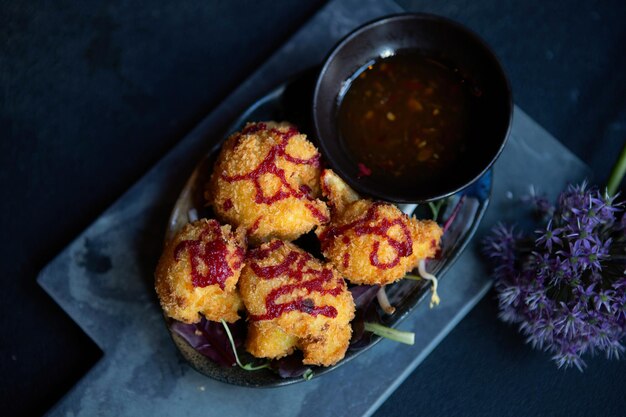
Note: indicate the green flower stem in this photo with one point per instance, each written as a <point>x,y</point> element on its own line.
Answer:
<point>389,333</point>
<point>248,366</point>
<point>617,174</point>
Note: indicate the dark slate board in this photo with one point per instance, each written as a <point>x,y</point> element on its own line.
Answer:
<point>103,280</point>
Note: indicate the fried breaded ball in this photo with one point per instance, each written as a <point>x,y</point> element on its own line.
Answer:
<point>372,242</point>
<point>198,273</point>
<point>266,179</point>
<point>295,301</point>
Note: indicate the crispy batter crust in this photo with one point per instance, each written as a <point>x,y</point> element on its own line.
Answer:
<point>368,242</point>
<point>179,297</point>
<point>322,336</point>
<point>266,179</point>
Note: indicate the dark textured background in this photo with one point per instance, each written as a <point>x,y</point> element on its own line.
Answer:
<point>93,93</point>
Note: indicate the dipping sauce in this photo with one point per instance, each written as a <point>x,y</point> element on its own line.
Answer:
<point>406,116</point>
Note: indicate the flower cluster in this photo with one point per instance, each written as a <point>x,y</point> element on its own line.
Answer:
<point>567,287</point>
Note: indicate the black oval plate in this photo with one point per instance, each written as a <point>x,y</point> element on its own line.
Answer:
<point>461,213</point>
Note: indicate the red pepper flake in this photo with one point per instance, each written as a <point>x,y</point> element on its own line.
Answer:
<point>364,171</point>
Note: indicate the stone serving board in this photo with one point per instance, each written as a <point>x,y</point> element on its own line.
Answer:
<point>104,279</point>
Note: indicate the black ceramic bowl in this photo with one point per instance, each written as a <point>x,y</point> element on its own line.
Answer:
<point>446,41</point>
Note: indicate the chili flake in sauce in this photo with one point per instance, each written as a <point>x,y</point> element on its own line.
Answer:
<point>405,114</point>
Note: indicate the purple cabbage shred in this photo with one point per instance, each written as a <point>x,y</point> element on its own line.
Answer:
<point>366,310</point>
<point>210,339</point>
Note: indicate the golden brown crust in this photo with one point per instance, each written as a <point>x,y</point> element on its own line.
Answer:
<point>266,179</point>
<point>266,340</point>
<point>294,300</point>
<point>336,191</point>
<point>372,242</point>
<point>215,255</point>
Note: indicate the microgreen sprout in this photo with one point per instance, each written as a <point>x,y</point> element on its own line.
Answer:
<point>413,277</point>
<point>435,207</point>
<point>383,301</point>
<point>390,333</point>
<point>423,274</point>
<point>434,298</point>
<point>248,366</point>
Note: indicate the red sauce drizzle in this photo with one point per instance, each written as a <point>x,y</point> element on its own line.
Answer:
<point>361,227</point>
<point>255,225</point>
<point>212,254</point>
<point>240,254</point>
<point>316,213</point>
<point>294,267</point>
<point>346,254</point>
<point>268,166</point>
<point>228,204</point>
<point>346,259</point>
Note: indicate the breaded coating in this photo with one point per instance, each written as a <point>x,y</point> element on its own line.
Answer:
<point>198,273</point>
<point>295,301</point>
<point>337,192</point>
<point>266,340</point>
<point>266,179</point>
<point>372,242</point>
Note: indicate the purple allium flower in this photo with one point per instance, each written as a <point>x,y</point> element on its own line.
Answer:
<point>566,288</point>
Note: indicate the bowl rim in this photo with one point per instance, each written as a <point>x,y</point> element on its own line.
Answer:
<point>351,178</point>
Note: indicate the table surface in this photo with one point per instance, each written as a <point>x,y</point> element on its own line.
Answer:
<point>91,97</point>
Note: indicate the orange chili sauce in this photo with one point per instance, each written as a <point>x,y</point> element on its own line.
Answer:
<point>406,116</point>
